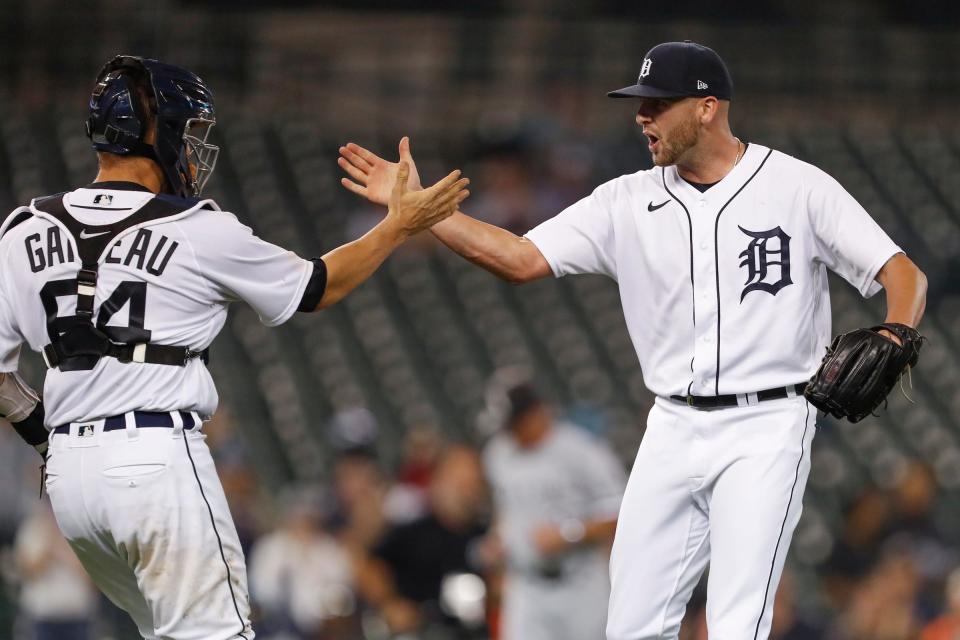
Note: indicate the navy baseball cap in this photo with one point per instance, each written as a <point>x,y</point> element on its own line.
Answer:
<point>679,70</point>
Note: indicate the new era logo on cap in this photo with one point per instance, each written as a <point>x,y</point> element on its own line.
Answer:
<point>701,85</point>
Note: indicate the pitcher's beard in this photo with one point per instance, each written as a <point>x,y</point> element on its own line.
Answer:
<point>681,139</point>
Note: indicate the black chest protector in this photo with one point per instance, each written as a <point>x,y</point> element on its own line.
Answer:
<point>78,344</point>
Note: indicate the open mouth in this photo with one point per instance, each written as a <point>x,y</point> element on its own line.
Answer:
<point>653,141</point>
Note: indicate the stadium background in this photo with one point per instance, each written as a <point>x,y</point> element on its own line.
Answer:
<point>343,414</point>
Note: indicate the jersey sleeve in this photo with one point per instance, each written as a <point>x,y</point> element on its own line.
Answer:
<point>848,241</point>
<point>10,337</point>
<point>580,239</point>
<point>241,266</point>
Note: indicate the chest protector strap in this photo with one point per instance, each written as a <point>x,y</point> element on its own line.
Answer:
<point>82,344</point>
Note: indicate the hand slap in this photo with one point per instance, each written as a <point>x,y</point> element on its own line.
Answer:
<point>370,176</point>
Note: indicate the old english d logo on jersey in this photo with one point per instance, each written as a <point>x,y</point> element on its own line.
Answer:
<point>761,269</point>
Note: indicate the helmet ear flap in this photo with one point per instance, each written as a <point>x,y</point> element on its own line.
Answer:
<point>136,104</point>
<point>118,120</point>
<point>120,108</point>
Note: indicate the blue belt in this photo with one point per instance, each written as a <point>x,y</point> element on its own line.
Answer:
<point>141,419</point>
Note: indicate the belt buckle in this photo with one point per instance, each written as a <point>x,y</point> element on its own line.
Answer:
<point>689,400</point>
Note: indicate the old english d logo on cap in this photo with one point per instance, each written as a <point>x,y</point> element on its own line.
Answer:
<point>645,69</point>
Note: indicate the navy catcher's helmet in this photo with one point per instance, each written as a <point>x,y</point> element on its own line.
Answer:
<point>179,102</point>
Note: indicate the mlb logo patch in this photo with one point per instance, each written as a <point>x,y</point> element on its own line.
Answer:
<point>103,198</point>
<point>85,431</point>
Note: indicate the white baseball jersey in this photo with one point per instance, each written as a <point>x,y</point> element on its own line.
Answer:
<point>723,291</point>
<point>193,267</point>
<point>569,475</point>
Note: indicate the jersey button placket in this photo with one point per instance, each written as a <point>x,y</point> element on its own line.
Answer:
<point>705,281</point>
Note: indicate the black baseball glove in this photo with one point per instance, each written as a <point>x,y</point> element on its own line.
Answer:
<point>860,369</point>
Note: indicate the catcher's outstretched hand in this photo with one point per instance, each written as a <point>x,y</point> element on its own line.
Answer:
<point>373,177</point>
<point>415,211</point>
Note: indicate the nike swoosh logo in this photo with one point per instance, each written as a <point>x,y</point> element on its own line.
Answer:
<point>86,236</point>
<point>654,207</point>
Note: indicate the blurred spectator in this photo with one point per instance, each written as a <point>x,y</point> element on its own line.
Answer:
<point>240,483</point>
<point>557,492</point>
<point>694,625</point>
<point>914,497</point>
<point>359,489</point>
<point>914,526</point>
<point>300,577</point>
<point>404,575</point>
<point>20,478</point>
<point>864,526</point>
<point>570,177</point>
<point>902,518</point>
<point>56,594</point>
<point>787,622</point>
<point>408,498</point>
<point>947,626</point>
<point>507,191</point>
<point>883,607</point>
<point>354,430</point>
<point>422,449</point>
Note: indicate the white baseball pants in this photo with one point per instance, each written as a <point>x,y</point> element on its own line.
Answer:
<point>723,486</point>
<point>144,511</point>
<point>572,608</point>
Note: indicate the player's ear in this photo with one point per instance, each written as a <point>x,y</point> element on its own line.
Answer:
<point>708,109</point>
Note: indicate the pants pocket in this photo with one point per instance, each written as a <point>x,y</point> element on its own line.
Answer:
<point>134,470</point>
<point>143,459</point>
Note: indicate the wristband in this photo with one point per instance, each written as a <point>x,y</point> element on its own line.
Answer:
<point>32,431</point>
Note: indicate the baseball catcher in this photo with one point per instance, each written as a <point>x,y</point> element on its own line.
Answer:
<point>122,285</point>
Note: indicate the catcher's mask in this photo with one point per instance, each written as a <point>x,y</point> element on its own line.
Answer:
<point>179,103</point>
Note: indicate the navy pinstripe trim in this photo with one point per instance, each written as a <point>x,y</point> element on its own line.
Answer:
<point>783,525</point>
<point>213,522</point>
<point>693,289</point>
<point>716,260</point>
